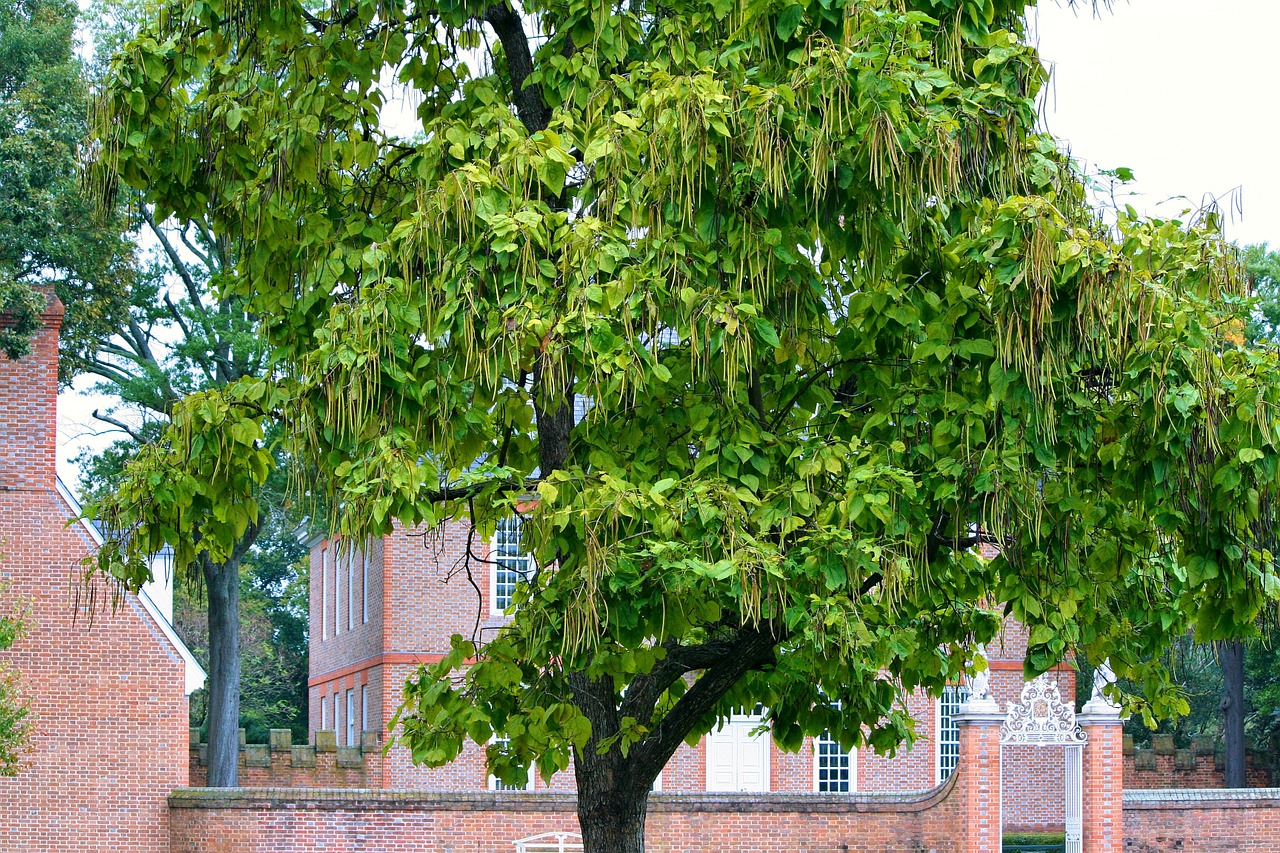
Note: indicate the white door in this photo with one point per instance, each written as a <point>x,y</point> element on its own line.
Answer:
<point>738,760</point>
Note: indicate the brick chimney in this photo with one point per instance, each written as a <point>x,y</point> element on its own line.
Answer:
<point>29,407</point>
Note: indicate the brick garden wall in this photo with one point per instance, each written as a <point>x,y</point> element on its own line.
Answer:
<point>1240,821</point>
<point>1197,766</point>
<point>242,820</point>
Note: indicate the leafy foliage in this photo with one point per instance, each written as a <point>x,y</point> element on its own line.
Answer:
<point>15,721</point>
<point>49,230</point>
<point>777,308</point>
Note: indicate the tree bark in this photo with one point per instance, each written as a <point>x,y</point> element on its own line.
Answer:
<point>1231,659</point>
<point>611,821</point>
<point>222,585</point>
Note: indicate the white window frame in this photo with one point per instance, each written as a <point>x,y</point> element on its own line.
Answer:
<point>947,734</point>
<point>337,717</point>
<point>364,708</point>
<point>324,713</point>
<point>351,587</point>
<point>364,585</point>
<point>337,594</point>
<point>496,784</point>
<point>351,718</point>
<point>324,591</point>
<point>519,565</point>
<point>852,755</point>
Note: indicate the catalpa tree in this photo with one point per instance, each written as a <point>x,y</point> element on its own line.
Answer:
<point>765,313</point>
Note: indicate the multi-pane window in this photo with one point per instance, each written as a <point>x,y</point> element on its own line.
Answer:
<point>511,565</point>
<point>364,586</point>
<point>834,768</point>
<point>325,557</point>
<point>351,588</point>
<point>953,696</point>
<point>496,784</point>
<point>351,718</point>
<point>337,594</point>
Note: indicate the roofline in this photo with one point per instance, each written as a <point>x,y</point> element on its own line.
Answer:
<point>194,675</point>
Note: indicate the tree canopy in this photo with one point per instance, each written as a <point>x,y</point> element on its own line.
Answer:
<point>50,231</point>
<point>764,313</point>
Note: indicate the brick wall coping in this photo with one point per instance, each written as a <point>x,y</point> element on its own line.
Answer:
<point>1211,798</point>
<point>366,799</point>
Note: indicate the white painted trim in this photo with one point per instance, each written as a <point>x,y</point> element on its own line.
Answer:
<point>193,674</point>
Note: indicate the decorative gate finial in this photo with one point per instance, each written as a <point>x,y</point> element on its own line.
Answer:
<point>1041,717</point>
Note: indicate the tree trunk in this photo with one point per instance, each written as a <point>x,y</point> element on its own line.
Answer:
<point>611,817</point>
<point>222,584</point>
<point>1231,659</point>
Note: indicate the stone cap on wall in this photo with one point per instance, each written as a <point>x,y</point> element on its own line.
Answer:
<point>370,799</point>
<point>1216,798</point>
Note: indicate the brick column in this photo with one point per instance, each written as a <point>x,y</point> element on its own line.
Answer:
<point>978,782</point>
<point>1103,776</point>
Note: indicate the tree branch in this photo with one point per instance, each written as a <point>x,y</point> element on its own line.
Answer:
<point>750,649</point>
<point>529,105</point>
<point>107,419</point>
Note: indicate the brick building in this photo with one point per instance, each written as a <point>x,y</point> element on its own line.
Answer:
<point>107,688</point>
<point>379,611</point>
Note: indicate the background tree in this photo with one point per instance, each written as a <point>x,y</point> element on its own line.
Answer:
<point>15,723</point>
<point>50,231</point>
<point>778,309</point>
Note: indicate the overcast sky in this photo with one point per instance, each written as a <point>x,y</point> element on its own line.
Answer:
<point>1183,92</point>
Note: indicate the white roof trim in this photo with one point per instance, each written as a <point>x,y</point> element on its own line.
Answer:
<point>194,676</point>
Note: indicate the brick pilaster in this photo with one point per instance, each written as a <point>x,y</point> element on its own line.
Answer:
<point>1103,778</point>
<point>978,785</point>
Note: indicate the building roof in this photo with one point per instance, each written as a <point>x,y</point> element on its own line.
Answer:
<point>194,674</point>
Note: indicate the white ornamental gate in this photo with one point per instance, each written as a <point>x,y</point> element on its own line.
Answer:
<point>1043,719</point>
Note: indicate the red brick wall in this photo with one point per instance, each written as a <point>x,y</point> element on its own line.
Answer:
<point>1246,820</point>
<point>1147,769</point>
<point>111,736</point>
<point>28,409</point>
<point>246,821</point>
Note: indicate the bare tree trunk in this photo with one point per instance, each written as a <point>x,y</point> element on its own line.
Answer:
<point>222,584</point>
<point>611,821</point>
<point>1231,659</point>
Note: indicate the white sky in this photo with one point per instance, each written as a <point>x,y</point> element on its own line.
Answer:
<point>1183,92</point>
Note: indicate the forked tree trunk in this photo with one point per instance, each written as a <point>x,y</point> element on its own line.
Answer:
<point>1231,659</point>
<point>222,585</point>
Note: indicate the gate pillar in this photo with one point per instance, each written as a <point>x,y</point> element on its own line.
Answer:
<point>978,769</point>
<point>1103,804</point>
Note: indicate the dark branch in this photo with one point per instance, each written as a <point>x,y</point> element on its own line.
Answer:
<point>121,425</point>
<point>529,105</point>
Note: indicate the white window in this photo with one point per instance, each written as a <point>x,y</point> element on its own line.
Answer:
<point>337,717</point>
<point>511,565</point>
<point>834,770</point>
<point>351,588</point>
<point>364,585</point>
<point>337,597</point>
<point>364,708</point>
<point>351,718</point>
<point>324,595</point>
<point>496,784</point>
<point>953,696</point>
<point>738,755</point>
<point>324,714</point>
